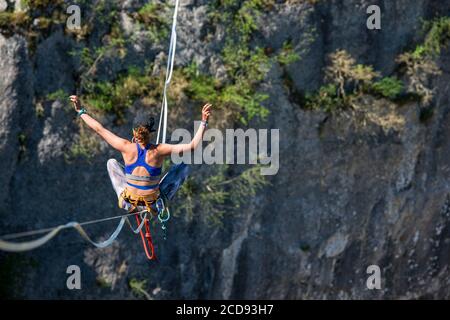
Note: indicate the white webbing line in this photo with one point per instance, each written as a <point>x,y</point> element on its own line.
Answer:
<point>162,128</point>
<point>52,232</point>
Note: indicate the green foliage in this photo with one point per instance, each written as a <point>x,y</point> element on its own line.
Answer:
<point>44,12</point>
<point>420,65</point>
<point>347,79</point>
<point>154,17</point>
<point>288,54</point>
<point>13,20</point>
<point>35,22</point>
<point>325,99</point>
<point>61,96</point>
<point>118,95</point>
<point>138,287</point>
<point>201,87</point>
<point>106,12</point>
<point>42,4</point>
<point>419,52</point>
<point>241,15</point>
<point>22,137</point>
<point>101,96</point>
<point>389,87</point>
<point>219,195</point>
<point>239,97</point>
<point>247,100</point>
<point>103,282</point>
<point>438,36</point>
<point>57,95</point>
<point>188,195</point>
<point>246,67</point>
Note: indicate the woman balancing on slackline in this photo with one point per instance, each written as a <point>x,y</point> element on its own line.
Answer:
<point>137,184</point>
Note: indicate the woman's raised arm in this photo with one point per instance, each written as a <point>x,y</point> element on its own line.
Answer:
<point>113,140</point>
<point>167,149</point>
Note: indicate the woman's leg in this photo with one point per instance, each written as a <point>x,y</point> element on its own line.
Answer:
<point>118,181</point>
<point>117,176</point>
<point>173,180</point>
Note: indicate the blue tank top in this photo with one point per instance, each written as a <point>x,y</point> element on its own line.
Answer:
<point>140,162</point>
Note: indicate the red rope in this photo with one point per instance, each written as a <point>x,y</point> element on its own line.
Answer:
<point>147,237</point>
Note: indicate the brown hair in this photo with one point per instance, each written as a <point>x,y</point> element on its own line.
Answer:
<point>141,134</point>
<point>143,130</point>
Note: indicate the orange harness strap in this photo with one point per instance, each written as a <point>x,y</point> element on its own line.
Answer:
<point>136,200</point>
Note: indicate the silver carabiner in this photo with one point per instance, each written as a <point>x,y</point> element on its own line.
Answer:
<point>160,216</point>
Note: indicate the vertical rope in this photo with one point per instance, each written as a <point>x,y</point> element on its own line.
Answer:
<point>162,128</point>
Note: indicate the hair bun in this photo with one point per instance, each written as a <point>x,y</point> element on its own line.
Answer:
<point>150,124</point>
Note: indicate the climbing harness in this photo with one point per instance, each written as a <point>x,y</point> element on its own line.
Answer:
<point>137,200</point>
<point>145,201</point>
<point>154,205</point>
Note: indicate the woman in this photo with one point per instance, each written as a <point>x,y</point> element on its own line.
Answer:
<point>137,184</point>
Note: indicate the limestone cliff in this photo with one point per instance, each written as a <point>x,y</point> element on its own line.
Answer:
<point>360,186</point>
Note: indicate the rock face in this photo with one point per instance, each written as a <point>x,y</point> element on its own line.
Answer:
<point>16,90</point>
<point>358,192</point>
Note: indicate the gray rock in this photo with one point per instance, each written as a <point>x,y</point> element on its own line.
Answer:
<point>54,65</point>
<point>356,188</point>
<point>16,92</point>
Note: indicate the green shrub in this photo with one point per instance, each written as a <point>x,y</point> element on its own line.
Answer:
<point>239,97</point>
<point>12,20</point>
<point>347,79</point>
<point>389,87</point>
<point>57,95</point>
<point>116,96</point>
<point>218,195</point>
<point>154,17</point>
<point>438,35</point>
<point>138,287</point>
<point>201,87</point>
<point>288,54</point>
<point>325,99</point>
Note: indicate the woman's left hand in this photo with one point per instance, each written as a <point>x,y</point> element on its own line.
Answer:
<point>206,111</point>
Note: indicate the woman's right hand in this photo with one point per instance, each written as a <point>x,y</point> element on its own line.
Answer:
<point>76,103</point>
